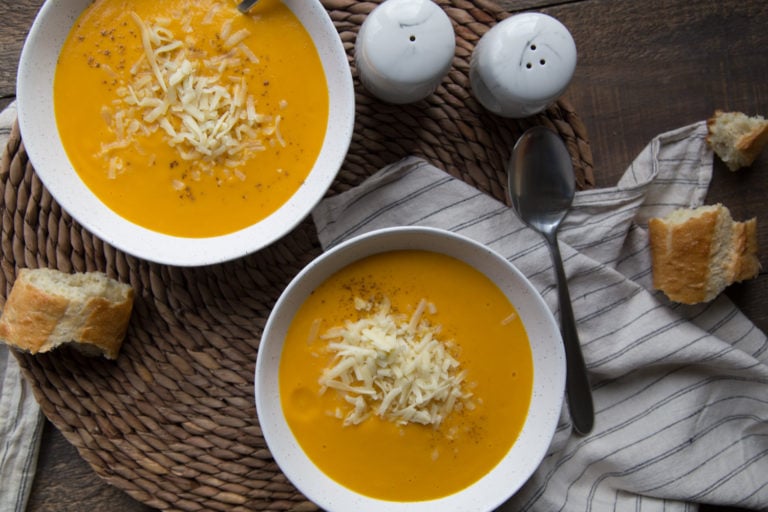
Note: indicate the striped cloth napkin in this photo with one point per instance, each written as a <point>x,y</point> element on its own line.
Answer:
<point>21,422</point>
<point>680,392</point>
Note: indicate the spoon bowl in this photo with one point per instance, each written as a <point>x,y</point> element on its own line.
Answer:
<point>541,189</point>
<point>541,182</point>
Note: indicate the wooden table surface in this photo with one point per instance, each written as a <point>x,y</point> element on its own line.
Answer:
<point>645,67</point>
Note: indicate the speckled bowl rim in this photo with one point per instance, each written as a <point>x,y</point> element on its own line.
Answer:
<point>548,383</point>
<point>38,127</point>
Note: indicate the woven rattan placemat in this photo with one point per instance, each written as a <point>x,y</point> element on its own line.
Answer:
<point>172,422</point>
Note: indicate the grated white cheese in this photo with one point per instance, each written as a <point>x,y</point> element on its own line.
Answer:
<point>394,367</point>
<point>509,319</point>
<point>200,103</point>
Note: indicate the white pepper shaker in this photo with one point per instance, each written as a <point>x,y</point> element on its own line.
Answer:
<point>522,64</point>
<point>404,49</point>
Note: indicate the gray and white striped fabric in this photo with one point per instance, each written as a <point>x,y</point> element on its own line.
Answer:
<point>680,392</point>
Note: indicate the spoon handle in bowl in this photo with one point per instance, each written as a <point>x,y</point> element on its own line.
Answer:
<point>245,5</point>
<point>577,386</point>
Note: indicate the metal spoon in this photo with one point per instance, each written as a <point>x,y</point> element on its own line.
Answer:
<point>541,189</point>
<point>246,5</point>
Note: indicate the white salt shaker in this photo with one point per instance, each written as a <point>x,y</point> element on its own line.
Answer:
<point>522,64</point>
<point>404,49</point>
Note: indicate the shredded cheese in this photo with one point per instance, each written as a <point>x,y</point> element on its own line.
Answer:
<point>393,367</point>
<point>200,103</point>
<point>509,319</point>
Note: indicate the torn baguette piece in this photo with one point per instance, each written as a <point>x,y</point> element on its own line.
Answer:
<point>697,252</point>
<point>47,308</point>
<point>736,137</point>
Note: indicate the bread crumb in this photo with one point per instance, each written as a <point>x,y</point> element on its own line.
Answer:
<point>47,308</point>
<point>736,137</point>
<point>697,252</point>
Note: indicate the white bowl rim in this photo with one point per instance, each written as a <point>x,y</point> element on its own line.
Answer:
<point>37,121</point>
<point>548,387</point>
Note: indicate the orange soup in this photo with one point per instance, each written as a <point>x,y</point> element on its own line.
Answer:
<point>187,117</point>
<point>465,318</point>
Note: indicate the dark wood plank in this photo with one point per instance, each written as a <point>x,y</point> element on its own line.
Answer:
<point>66,483</point>
<point>17,16</point>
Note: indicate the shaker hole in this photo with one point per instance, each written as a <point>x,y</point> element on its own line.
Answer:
<point>533,47</point>
<point>412,38</point>
<point>529,65</point>
<point>542,62</point>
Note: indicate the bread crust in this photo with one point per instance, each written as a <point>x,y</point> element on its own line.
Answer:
<point>695,257</point>
<point>736,138</point>
<point>753,143</point>
<point>30,316</point>
<point>680,257</point>
<point>37,321</point>
<point>745,244</point>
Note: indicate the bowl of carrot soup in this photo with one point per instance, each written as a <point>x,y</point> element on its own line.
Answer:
<point>185,132</point>
<point>412,369</point>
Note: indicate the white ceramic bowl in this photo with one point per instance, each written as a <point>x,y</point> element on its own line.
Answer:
<point>548,380</point>
<point>38,128</point>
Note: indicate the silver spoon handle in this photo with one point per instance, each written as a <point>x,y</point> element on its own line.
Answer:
<point>578,390</point>
<point>246,5</point>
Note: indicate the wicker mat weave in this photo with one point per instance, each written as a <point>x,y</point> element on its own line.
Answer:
<point>172,422</point>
